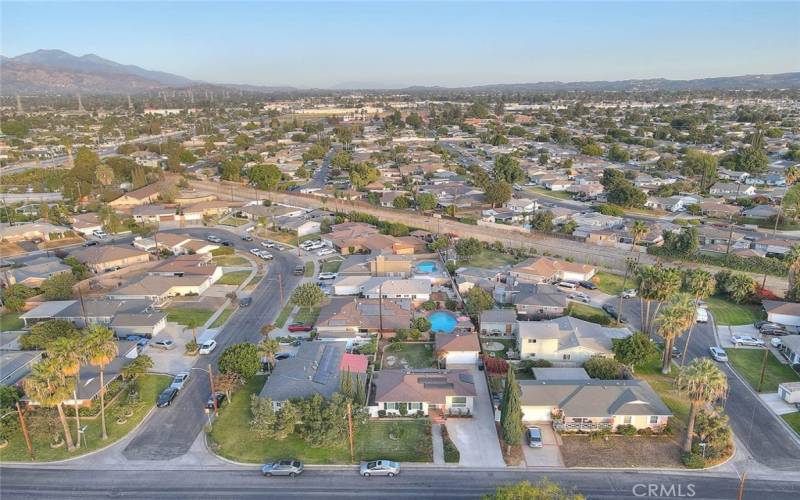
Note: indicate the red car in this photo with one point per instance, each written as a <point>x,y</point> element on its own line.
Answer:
<point>299,327</point>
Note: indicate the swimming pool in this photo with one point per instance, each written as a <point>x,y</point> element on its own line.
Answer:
<point>442,321</point>
<point>426,266</point>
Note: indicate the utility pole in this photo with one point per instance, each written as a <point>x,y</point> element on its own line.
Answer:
<point>741,486</point>
<point>77,417</point>
<point>25,430</point>
<point>280,286</point>
<point>350,430</point>
<point>763,368</point>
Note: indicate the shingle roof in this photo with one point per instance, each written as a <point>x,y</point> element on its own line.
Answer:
<point>431,386</point>
<point>594,398</point>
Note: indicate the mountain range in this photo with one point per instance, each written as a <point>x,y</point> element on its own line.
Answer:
<point>50,71</point>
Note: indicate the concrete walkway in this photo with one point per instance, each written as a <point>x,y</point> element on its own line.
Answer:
<point>476,437</point>
<point>438,444</point>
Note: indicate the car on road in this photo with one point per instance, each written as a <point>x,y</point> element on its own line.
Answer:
<point>267,244</point>
<point>165,344</point>
<point>612,311</point>
<point>208,346</point>
<point>255,251</point>
<point>213,239</point>
<point>166,397</point>
<point>534,435</point>
<point>299,270</point>
<point>99,233</point>
<point>289,468</point>
<point>299,327</point>
<point>219,397</point>
<point>579,296</point>
<point>718,354</point>
<point>90,243</point>
<point>180,380</point>
<point>325,251</point>
<point>283,355</point>
<point>740,340</point>
<point>629,293</point>
<point>588,285</point>
<point>247,237</point>
<point>226,243</point>
<point>245,302</point>
<point>379,468</point>
<point>266,255</point>
<point>701,316</point>
<point>327,276</point>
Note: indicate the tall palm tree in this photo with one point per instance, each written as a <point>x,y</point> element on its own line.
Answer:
<point>47,386</point>
<point>704,383</point>
<point>193,324</point>
<point>267,349</point>
<point>638,231</point>
<point>673,321</point>
<point>100,351</point>
<point>700,284</point>
<point>69,354</point>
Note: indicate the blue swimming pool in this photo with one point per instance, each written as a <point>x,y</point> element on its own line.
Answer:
<point>426,266</point>
<point>442,321</point>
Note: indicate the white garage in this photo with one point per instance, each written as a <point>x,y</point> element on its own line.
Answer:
<point>783,313</point>
<point>536,413</point>
<point>458,349</point>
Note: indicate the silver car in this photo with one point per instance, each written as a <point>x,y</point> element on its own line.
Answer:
<point>180,380</point>
<point>379,468</point>
<point>289,468</point>
<point>718,354</point>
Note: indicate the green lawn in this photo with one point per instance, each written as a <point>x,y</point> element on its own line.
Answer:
<point>16,451</point>
<point>182,315</point>
<point>490,259</point>
<point>284,315</point>
<point>589,313</point>
<point>451,453</point>
<point>232,438</point>
<point>664,385</point>
<point>222,318</point>
<point>234,278</point>
<point>415,355</point>
<point>230,260</point>
<point>747,363</point>
<point>508,345</point>
<point>233,221</point>
<point>793,419</point>
<point>331,266</point>
<point>726,312</point>
<point>563,195</point>
<point>612,283</point>
<point>309,271</point>
<point>307,315</point>
<point>10,322</point>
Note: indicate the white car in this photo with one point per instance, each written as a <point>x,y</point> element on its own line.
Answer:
<point>266,256</point>
<point>267,244</point>
<point>629,294</point>
<point>180,380</point>
<point>327,276</point>
<point>567,285</point>
<point>325,251</point>
<point>255,251</point>
<point>100,233</point>
<point>580,296</point>
<point>213,239</point>
<point>718,354</point>
<point>701,316</point>
<point>740,340</point>
<point>208,346</point>
<point>775,342</point>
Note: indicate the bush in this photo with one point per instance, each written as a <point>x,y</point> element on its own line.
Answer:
<point>758,265</point>
<point>604,368</point>
<point>451,305</point>
<point>647,431</point>
<point>381,413</point>
<point>626,430</point>
<point>693,460</point>
<point>599,434</point>
<point>241,359</point>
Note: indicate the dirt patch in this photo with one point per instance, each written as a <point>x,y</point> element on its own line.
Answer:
<point>63,242</point>
<point>514,456</point>
<point>8,249</point>
<point>621,451</point>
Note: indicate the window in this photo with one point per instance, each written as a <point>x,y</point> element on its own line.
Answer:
<point>458,401</point>
<point>653,419</point>
<point>627,420</point>
<point>390,406</point>
<point>414,406</point>
<point>531,341</point>
<point>566,357</point>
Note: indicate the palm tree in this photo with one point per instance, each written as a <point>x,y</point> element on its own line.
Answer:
<point>657,284</point>
<point>47,386</point>
<point>700,284</point>
<point>672,323</point>
<point>193,323</point>
<point>69,354</point>
<point>267,349</point>
<point>265,329</point>
<point>101,350</point>
<point>704,383</point>
<point>638,231</point>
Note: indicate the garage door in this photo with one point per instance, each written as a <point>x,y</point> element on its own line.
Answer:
<point>535,413</point>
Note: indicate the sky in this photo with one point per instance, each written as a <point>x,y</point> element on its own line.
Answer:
<point>381,44</point>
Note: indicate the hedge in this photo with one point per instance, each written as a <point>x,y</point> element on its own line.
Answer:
<point>759,265</point>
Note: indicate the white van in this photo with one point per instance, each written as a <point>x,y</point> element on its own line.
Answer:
<point>567,285</point>
<point>702,315</point>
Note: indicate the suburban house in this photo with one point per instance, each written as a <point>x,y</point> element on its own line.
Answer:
<point>315,369</point>
<point>498,322</point>
<point>533,301</point>
<point>144,325</point>
<point>34,272</point>
<point>159,288</point>
<point>416,290</point>
<point>791,348</point>
<point>458,349</point>
<point>774,246</point>
<point>783,313</point>
<point>566,340</point>
<point>88,383</point>
<point>87,223</point>
<point>141,196</point>
<point>545,269</point>
<point>733,190</point>
<point>32,231</point>
<point>188,265</point>
<point>522,205</point>
<point>100,311</point>
<point>585,405</point>
<point>761,212</point>
<point>400,266</point>
<point>467,277</point>
<point>101,258</point>
<point>348,318</point>
<point>401,392</point>
<point>178,244</point>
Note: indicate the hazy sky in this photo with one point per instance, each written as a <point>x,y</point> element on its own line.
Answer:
<point>453,44</point>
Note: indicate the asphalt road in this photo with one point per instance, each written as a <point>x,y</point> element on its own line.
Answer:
<point>170,431</point>
<point>410,484</point>
<point>765,437</point>
<point>320,176</point>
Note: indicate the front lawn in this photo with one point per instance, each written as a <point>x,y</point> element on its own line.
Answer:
<point>664,385</point>
<point>562,195</point>
<point>726,312</point>
<point>612,283</point>
<point>149,387</point>
<point>222,318</point>
<point>234,278</point>
<point>490,259</point>
<point>406,441</point>
<point>233,221</point>
<point>284,315</point>
<point>182,315</point>
<point>230,261</point>
<point>589,313</point>
<point>307,315</point>
<point>10,322</point>
<point>621,451</point>
<point>747,363</point>
<point>331,266</point>
<point>309,269</point>
<point>793,419</point>
<point>411,355</point>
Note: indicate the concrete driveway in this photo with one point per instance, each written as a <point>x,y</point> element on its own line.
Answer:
<point>549,455</point>
<point>476,437</point>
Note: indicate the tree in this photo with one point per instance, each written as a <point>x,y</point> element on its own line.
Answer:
<point>192,323</point>
<point>44,333</point>
<point>426,202</point>
<point>231,170</point>
<point>47,386</point>
<point>751,159</point>
<point>696,162</point>
<point>542,220</point>
<point>104,174</point>
<point>703,383</point>
<point>307,295</point>
<point>524,490</point>
<point>638,231</point>
<point>15,296</point>
<point>498,193</point>
<point>401,202</point>
<point>478,300</point>
<point>603,368</point>
<point>468,248</point>
<point>100,351</point>
<point>267,350</point>
<point>324,422</point>
<point>506,168</point>
<point>59,287</point>
<point>79,270</point>
<point>632,350</point>
<point>511,412</point>
<point>264,177</point>
<point>738,286</point>
<point>241,359</point>
<point>618,153</point>
<point>422,324</point>
<point>591,148</point>
<point>137,367</point>
<point>699,284</point>
<point>675,320</point>
<point>227,383</point>
<point>656,284</point>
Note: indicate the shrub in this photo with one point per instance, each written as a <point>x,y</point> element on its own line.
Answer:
<point>241,359</point>
<point>381,413</point>
<point>599,434</point>
<point>626,430</point>
<point>647,431</point>
<point>693,460</point>
<point>604,368</point>
<point>451,305</point>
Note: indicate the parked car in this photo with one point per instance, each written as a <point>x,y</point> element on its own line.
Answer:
<point>247,237</point>
<point>299,327</point>
<point>588,285</point>
<point>166,397</point>
<point>255,251</point>
<point>140,341</point>
<point>213,239</point>
<point>283,355</point>
<point>165,344</point>
<point>99,233</point>
<point>226,243</point>
<point>379,468</point>
<point>567,285</point>
<point>219,397</point>
<point>775,331</point>
<point>612,311</point>
<point>718,354</point>
<point>776,342</point>
<point>629,293</point>
<point>534,435</point>
<point>90,243</point>
<point>701,316</point>
<point>579,296</point>
<point>299,270</point>
<point>245,302</point>
<point>327,276</point>
<point>180,380</point>
<point>267,244</point>
<point>208,346</point>
<point>266,255</point>
<point>762,323</point>
<point>289,468</point>
<point>740,340</point>
<point>325,251</point>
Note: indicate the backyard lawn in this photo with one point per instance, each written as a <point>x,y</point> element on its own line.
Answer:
<point>563,195</point>
<point>408,440</point>
<point>230,260</point>
<point>183,315</point>
<point>726,312</point>
<point>10,322</point>
<point>612,283</point>
<point>234,278</point>
<point>234,221</point>
<point>413,355</point>
<point>150,386</point>
<point>747,363</point>
<point>489,259</point>
<point>589,313</point>
<point>793,419</point>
